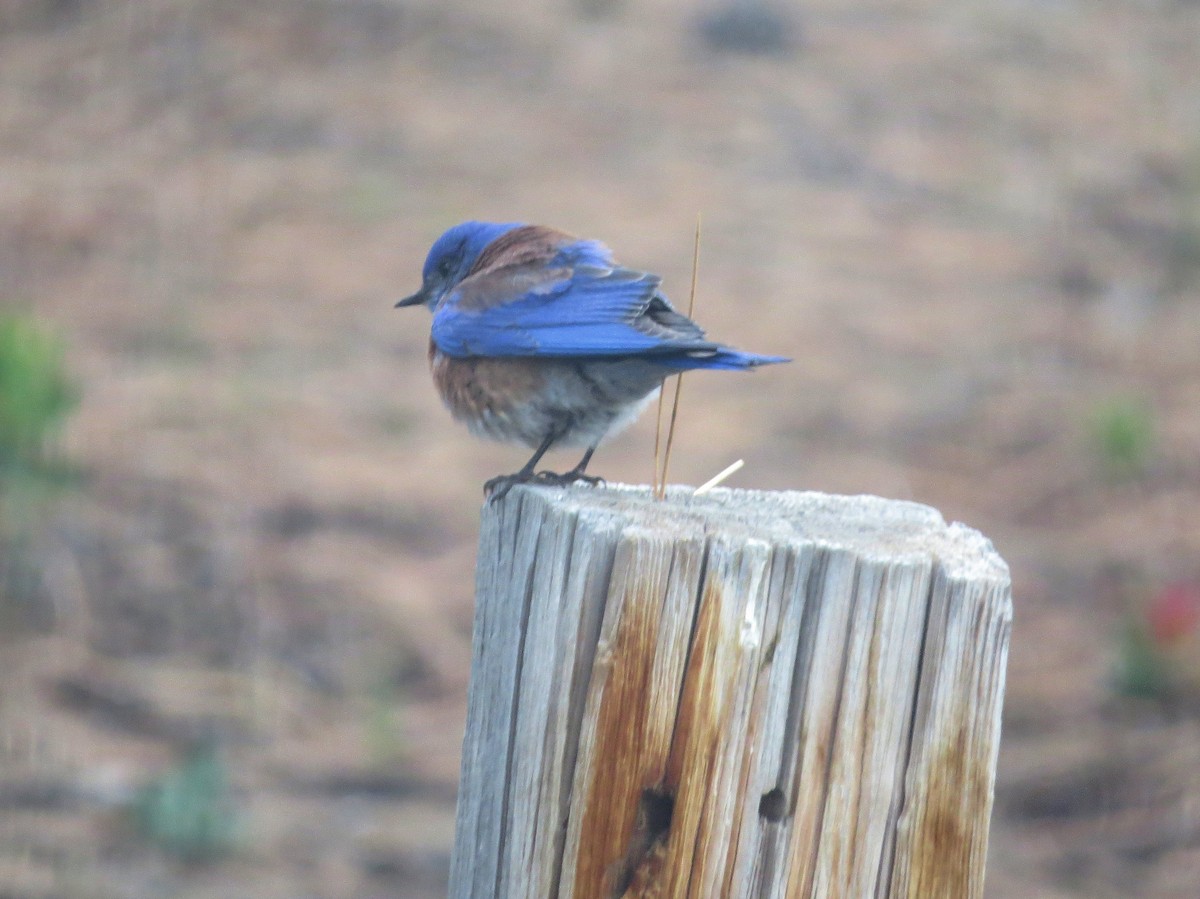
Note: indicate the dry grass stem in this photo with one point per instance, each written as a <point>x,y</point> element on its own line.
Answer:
<point>661,483</point>
<point>720,476</point>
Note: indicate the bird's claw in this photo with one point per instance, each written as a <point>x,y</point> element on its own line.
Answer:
<point>566,480</point>
<point>578,477</point>
<point>497,488</point>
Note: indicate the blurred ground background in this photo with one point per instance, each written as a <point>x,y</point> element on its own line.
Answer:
<point>237,587</point>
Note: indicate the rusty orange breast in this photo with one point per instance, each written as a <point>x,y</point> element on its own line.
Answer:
<point>478,390</point>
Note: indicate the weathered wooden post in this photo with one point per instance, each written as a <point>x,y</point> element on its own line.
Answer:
<point>742,694</point>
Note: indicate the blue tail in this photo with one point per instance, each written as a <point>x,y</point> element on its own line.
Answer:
<point>722,359</point>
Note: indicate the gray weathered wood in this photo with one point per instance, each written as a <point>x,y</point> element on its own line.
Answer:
<point>743,694</point>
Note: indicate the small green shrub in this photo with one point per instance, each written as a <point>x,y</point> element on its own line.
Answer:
<point>189,812</point>
<point>1122,431</point>
<point>36,395</point>
<point>1141,671</point>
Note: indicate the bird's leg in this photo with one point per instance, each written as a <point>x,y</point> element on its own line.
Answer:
<point>496,488</point>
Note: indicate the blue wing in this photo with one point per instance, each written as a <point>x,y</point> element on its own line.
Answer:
<point>572,307</point>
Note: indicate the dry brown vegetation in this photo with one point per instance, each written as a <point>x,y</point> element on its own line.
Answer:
<point>975,226</point>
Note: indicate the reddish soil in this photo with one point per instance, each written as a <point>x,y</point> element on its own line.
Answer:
<point>975,227</point>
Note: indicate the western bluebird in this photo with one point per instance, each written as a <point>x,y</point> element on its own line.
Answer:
<point>541,338</point>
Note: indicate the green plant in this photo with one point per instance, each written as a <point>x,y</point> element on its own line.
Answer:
<point>1141,670</point>
<point>1122,431</point>
<point>189,811</point>
<point>36,395</point>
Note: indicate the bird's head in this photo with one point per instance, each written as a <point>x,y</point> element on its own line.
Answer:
<point>451,257</point>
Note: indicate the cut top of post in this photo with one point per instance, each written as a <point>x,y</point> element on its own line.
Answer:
<point>868,526</point>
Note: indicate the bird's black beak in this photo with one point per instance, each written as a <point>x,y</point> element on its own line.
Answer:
<point>417,299</point>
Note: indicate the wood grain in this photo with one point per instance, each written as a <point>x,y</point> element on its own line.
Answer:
<point>743,694</point>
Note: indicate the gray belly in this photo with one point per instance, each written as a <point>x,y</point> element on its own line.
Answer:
<point>525,401</point>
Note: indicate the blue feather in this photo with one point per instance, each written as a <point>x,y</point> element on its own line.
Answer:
<point>722,359</point>
<point>588,311</point>
<point>575,303</point>
<point>463,243</point>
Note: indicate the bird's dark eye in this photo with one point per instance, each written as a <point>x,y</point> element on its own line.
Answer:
<point>445,266</point>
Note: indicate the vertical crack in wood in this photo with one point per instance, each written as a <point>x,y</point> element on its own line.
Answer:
<point>630,744</point>
<point>801,670</point>
<point>871,662</point>
<point>587,636</point>
<point>790,572</point>
<point>571,736</point>
<point>792,756</point>
<point>697,607</point>
<point>514,706</point>
<point>645,862</point>
<point>757,639</point>
<point>693,740</point>
<point>887,874</point>
<point>804,867</point>
<point>944,833</point>
<point>642,863</point>
<point>480,794</point>
<point>835,717</point>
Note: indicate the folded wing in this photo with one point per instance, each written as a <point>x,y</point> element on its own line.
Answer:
<point>564,311</point>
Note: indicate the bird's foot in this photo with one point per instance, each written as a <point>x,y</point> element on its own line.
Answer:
<point>574,476</point>
<point>497,488</point>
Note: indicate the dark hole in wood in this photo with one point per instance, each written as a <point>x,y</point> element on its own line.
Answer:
<point>654,813</point>
<point>773,806</point>
<point>653,822</point>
